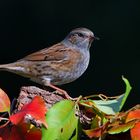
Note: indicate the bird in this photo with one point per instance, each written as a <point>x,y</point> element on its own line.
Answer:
<point>58,64</point>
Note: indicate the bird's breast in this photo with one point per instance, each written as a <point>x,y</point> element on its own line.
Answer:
<point>82,64</point>
<point>72,71</point>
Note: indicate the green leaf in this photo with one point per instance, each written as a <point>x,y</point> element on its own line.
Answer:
<point>109,107</point>
<point>113,106</point>
<point>62,122</point>
<point>127,91</point>
<point>122,127</point>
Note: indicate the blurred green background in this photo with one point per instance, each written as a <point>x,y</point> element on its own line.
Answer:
<point>29,25</point>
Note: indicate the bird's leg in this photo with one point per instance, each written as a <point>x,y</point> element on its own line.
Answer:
<point>47,82</point>
<point>60,91</point>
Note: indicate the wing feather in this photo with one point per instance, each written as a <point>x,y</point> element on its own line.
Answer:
<point>53,53</point>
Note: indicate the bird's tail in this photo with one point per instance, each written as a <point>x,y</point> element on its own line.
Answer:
<point>12,67</point>
<point>4,67</point>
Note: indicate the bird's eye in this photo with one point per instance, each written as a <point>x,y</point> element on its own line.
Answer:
<point>80,34</point>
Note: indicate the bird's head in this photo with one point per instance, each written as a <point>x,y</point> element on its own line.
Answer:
<point>81,37</point>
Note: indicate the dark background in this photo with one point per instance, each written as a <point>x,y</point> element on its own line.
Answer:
<point>27,26</point>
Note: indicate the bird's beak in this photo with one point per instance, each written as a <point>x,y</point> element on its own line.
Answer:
<point>91,38</point>
<point>94,38</point>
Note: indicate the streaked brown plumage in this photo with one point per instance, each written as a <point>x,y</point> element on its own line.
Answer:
<point>59,64</point>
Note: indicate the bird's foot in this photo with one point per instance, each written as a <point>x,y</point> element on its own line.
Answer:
<point>62,92</point>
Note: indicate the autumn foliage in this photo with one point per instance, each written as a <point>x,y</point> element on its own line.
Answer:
<point>98,118</point>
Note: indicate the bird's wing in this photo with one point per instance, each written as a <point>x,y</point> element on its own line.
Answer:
<point>55,53</point>
<point>59,57</point>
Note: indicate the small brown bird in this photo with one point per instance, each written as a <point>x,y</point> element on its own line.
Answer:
<point>59,64</point>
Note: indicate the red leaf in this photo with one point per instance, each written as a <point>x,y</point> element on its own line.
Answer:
<point>94,133</point>
<point>33,134</point>
<point>36,109</point>
<point>4,102</point>
<point>9,133</point>
<point>19,132</point>
<point>135,132</point>
<point>29,132</point>
<point>97,132</point>
<point>133,115</point>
